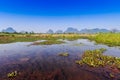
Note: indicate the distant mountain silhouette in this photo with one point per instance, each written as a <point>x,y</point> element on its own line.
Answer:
<point>9,30</point>
<point>74,30</point>
<point>50,31</point>
<point>96,30</point>
<point>71,30</point>
<point>59,31</point>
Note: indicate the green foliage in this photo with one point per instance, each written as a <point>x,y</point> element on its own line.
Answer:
<point>50,42</point>
<point>95,58</point>
<point>8,38</point>
<point>110,39</point>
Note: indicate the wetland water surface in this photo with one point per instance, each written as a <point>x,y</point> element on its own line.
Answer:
<point>42,62</point>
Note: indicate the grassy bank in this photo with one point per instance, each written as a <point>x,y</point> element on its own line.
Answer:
<point>9,38</point>
<point>110,39</point>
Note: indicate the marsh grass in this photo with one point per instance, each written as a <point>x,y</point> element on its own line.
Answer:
<point>110,39</point>
<point>49,42</point>
<point>9,38</point>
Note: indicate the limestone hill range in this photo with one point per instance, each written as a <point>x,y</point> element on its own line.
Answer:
<point>87,31</point>
<point>68,30</point>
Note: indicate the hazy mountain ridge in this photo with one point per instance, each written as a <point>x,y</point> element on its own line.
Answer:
<point>68,30</point>
<point>94,30</point>
<point>9,30</point>
<point>50,31</point>
<point>71,30</point>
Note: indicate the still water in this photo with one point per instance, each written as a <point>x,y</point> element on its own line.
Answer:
<point>44,60</point>
<point>72,47</point>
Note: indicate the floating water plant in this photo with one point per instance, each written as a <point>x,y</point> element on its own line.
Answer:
<point>111,75</point>
<point>81,44</point>
<point>64,54</point>
<point>12,74</point>
<point>95,58</point>
<point>50,42</point>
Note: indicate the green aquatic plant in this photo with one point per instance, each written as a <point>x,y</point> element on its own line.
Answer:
<point>64,54</point>
<point>78,44</point>
<point>50,42</point>
<point>111,75</point>
<point>95,58</point>
<point>102,50</point>
<point>12,74</point>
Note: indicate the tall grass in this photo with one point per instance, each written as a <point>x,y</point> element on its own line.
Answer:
<point>8,38</point>
<point>110,39</point>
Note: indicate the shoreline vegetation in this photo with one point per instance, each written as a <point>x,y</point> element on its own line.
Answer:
<point>110,39</point>
<point>9,38</point>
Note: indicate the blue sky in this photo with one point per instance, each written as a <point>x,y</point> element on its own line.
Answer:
<point>40,15</point>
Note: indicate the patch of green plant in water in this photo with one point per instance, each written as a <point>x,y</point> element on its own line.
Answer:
<point>102,50</point>
<point>95,58</point>
<point>64,54</point>
<point>50,42</point>
<point>111,75</point>
<point>79,44</point>
<point>12,74</point>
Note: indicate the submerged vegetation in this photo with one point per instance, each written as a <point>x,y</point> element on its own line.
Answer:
<point>95,58</point>
<point>64,54</point>
<point>48,42</point>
